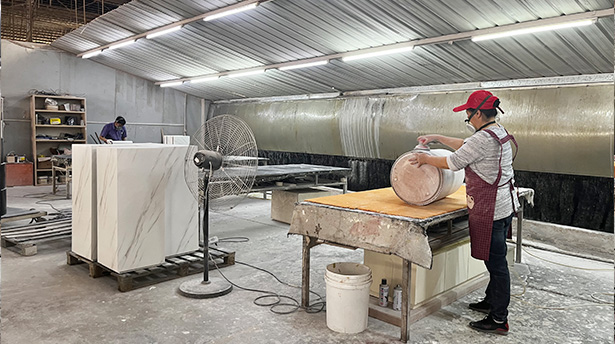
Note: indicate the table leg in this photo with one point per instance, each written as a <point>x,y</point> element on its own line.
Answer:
<point>53,180</point>
<point>519,231</point>
<point>308,243</point>
<point>67,183</point>
<point>405,301</point>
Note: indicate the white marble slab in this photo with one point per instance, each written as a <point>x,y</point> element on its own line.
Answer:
<point>181,208</point>
<point>130,208</point>
<point>84,201</point>
<point>176,139</point>
<point>145,210</point>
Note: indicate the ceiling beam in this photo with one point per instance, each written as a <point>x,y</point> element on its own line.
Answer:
<point>547,82</point>
<point>449,39</point>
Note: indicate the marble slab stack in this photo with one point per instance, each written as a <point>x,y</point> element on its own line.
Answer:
<point>144,209</point>
<point>84,201</point>
<point>131,190</point>
<point>181,208</point>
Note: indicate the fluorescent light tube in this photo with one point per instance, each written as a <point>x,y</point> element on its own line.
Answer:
<point>304,65</point>
<point>235,75</point>
<point>163,32</point>
<point>533,30</point>
<point>92,54</point>
<point>229,12</point>
<point>171,84</point>
<point>377,53</point>
<point>120,45</point>
<point>204,79</point>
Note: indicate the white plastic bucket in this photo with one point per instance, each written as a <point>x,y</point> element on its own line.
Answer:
<point>347,296</point>
<point>426,184</point>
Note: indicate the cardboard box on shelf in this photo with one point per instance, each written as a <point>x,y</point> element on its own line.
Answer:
<point>43,162</point>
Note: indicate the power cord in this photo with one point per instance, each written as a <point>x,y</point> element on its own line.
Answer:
<point>310,309</point>
<point>599,302</point>
<point>315,307</point>
<point>560,264</point>
<point>49,197</point>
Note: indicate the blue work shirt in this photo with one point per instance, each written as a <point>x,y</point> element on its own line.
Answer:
<point>110,132</point>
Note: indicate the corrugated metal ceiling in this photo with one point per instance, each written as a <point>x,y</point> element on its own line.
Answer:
<point>286,30</point>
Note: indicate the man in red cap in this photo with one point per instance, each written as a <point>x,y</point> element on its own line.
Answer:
<point>487,158</point>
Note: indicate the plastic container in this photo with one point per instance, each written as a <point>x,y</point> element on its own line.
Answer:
<point>426,184</point>
<point>347,296</point>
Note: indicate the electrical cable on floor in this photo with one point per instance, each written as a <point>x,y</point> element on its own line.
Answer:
<point>602,301</point>
<point>315,307</point>
<point>312,308</point>
<point>568,266</point>
<point>60,212</point>
<point>524,284</point>
<point>309,309</point>
<point>50,198</point>
<point>563,308</point>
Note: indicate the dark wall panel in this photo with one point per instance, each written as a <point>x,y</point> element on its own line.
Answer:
<point>571,200</point>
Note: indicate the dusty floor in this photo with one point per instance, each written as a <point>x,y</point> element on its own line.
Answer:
<point>44,300</point>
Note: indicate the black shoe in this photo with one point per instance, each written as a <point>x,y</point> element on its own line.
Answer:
<point>482,306</point>
<point>490,326</point>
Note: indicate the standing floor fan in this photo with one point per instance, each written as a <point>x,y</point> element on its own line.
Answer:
<point>219,169</point>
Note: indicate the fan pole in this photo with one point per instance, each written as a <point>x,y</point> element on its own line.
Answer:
<point>205,206</point>
<point>207,288</point>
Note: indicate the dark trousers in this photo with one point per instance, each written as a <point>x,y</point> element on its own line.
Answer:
<point>498,290</point>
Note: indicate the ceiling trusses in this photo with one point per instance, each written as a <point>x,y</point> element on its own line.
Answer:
<point>280,33</point>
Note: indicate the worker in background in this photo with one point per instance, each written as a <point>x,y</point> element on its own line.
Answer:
<point>115,131</point>
<point>487,158</point>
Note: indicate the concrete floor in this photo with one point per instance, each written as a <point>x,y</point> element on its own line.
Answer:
<point>44,300</point>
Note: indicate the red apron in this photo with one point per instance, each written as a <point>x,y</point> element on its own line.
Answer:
<point>481,196</point>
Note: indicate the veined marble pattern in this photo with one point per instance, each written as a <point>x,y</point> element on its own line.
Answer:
<point>145,210</point>
<point>130,207</point>
<point>84,201</point>
<point>181,208</point>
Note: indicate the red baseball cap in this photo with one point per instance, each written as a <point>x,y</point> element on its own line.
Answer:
<point>476,98</point>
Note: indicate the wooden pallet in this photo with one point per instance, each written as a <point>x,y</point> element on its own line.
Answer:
<point>174,267</point>
<point>26,237</point>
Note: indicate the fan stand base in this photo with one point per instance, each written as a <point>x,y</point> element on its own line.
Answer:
<point>199,289</point>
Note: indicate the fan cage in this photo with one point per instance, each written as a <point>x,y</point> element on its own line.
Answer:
<point>229,185</point>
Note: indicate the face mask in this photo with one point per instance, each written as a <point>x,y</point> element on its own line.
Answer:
<point>470,127</point>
